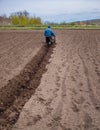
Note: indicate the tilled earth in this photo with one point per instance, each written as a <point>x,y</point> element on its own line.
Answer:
<point>66,96</point>
<point>16,49</point>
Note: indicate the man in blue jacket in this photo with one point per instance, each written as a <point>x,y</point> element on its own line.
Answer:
<point>48,33</point>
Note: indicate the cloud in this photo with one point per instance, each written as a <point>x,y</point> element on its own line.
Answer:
<point>51,8</point>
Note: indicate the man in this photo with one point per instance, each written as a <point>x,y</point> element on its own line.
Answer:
<point>48,33</point>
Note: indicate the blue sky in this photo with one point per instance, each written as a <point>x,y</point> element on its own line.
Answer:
<point>54,10</point>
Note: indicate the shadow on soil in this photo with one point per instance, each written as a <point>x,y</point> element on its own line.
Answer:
<point>19,90</point>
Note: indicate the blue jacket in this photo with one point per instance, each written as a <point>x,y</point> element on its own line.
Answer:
<point>48,32</point>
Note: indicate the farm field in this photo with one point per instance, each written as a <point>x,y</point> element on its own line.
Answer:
<point>16,50</point>
<point>68,94</point>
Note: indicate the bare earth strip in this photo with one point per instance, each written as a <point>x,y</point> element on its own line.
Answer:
<point>16,49</point>
<point>68,97</point>
<point>19,89</point>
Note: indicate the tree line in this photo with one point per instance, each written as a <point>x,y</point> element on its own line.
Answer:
<point>22,18</point>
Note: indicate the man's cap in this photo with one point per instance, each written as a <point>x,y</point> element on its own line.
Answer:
<point>49,27</point>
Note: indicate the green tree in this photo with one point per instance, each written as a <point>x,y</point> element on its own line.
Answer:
<point>22,18</point>
<point>23,21</point>
<point>15,20</point>
<point>37,21</point>
<point>31,21</point>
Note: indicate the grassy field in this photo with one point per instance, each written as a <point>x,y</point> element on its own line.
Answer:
<point>53,26</point>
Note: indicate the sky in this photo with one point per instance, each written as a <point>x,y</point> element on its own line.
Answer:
<point>54,10</point>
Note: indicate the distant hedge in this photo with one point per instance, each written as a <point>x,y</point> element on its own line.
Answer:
<point>23,19</point>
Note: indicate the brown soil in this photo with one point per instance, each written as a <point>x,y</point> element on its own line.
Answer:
<point>20,88</point>
<point>17,48</point>
<point>17,92</point>
<point>68,93</point>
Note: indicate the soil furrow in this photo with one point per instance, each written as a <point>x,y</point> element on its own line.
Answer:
<point>68,93</point>
<point>94,100</point>
<point>16,93</point>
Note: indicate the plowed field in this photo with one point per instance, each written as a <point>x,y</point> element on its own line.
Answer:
<point>16,50</point>
<point>58,88</point>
